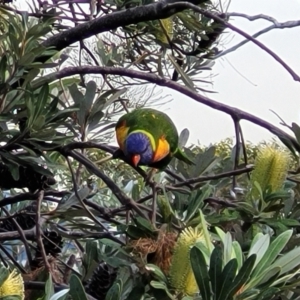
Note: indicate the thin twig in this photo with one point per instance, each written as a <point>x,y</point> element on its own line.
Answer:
<point>7,253</point>
<point>81,200</point>
<point>232,111</point>
<point>237,149</point>
<point>217,176</point>
<point>121,196</point>
<point>22,236</point>
<point>39,230</point>
<point>215,17</point>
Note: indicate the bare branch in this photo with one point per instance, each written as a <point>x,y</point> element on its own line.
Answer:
<point>215,17</point>
<point>238,114</point>
<point>276,25</point>
<point>39,230</point>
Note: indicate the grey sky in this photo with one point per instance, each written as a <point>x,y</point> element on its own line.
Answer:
<point>261,85</point>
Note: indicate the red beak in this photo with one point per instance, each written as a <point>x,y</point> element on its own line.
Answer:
<point>135,159</point>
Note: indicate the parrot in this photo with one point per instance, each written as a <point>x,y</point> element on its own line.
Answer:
<point>148,137</point>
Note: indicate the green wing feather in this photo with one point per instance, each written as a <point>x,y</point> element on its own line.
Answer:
<point>182,156</point>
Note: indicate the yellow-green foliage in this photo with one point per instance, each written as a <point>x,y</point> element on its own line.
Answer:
<point>165,28</point>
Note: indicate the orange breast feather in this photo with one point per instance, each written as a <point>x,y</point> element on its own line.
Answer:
<point>121,134</point>
<point>162,149</point>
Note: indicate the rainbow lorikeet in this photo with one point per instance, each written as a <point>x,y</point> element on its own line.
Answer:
<point>148,137</point>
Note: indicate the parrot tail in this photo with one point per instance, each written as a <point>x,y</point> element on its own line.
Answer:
<point>179,154</point>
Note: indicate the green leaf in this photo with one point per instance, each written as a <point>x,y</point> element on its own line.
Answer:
<point>115,291</point>
<point>76,289</point>
<point>49,288</point>
<point>4,273</point>
<point>136,233</point>
<point>12,297</point>
<point>262,277</point>
<point>195,200</point>
<point>183,137</point>
<point>238,253</point>
<point>82,193</point>
<point>76,95</point>
<point>296,130</point>
<point>137,292</point>
<point>26,59</point>
<point>115,97</point>
<point>268,294</point>
<point>160,286</point>
<point>144,224</point>
<point>61,295</point>
<point>227,277</point>
<point>280,195</point>
<point>288,261</point>
<point>93,120</point>
<point>227,247</point>
<point>259,247</point>
<point>273,251</point>
<point>215,269</point>
<point>184,77</point>
<point>241,277</point>
<point>89,96</point>
<point>91,255</point>
<point>200,271</point>
<point>156,272</point>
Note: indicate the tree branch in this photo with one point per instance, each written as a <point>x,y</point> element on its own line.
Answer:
<point>230,110</point>
<point>215,17</point>
<point>276,25</point>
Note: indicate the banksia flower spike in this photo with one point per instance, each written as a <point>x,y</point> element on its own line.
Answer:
<point>11,284</point>
<point>181,274</point>
<point>271,166</point>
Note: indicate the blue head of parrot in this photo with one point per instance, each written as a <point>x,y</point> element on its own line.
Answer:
<point>138,149</point>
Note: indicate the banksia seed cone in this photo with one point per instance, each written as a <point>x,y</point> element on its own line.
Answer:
<point>181,274</point>
<point>271,166</point>
<point>101,281</point>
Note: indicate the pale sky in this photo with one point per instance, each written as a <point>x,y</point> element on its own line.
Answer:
<point>262,84</point>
